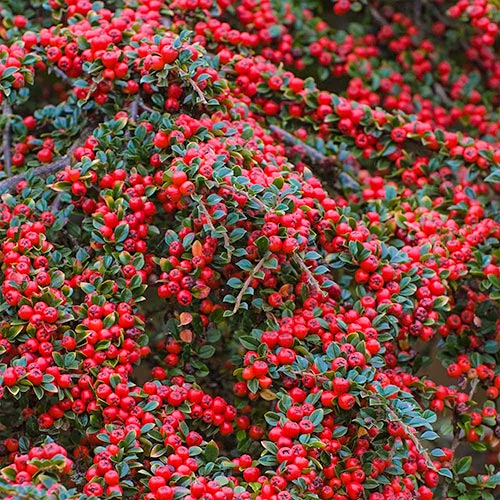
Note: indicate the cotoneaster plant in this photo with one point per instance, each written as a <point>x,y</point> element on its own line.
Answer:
<point>249,250</point>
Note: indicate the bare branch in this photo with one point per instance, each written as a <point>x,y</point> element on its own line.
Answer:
<point>377,16</point>
<point>7,158</point>
<point>458,435</point>
<point>134,107</point>
<point>197,89</point>
<point>9,184</point>
<point>61,74</point>
<point>309,151</point>
<point>56,203</point>
<point>144,106</point>
<point>417,12</point>
<point>256,269</point>
<point>439,90</point>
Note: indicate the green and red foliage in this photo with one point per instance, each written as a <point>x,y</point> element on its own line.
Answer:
<point>249,250</point>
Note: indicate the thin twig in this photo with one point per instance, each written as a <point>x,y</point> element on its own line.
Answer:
<point>195,86</point>
<point>9,184</point>
<point>458,435</point>
<point>256,269</point>
<point>197,89</point>
<point>447,21</point>
<point>312,279</point>
<point>7,158</point>
<point>256,200</point>
<point>227,243</point>
<point>291,140</point>
<point>377,16</point>
<point>417,12</point>
<point>412,438</point>
<point>134,108</point>
<point>56,203</point>
<point>144,106</point>
<point>61,74</point>
<point>439,90</point>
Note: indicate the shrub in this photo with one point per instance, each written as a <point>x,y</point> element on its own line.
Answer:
<point>249,250</point>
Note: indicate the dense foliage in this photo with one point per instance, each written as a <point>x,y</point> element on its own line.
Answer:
<point>249,249</point>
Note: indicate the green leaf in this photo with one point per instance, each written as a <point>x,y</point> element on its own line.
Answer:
<point>339,431</point>
<point>262,244</point>
<point>316,417</point>
<point>121,233</point>
<point>57,279</point>
<point>429,435</point>
<point>211,451</point>
<point>253,385</point>
<point>390,390</point>
<point>249,342</point>
<point>247,133</point>
<point>446,473</point>
<point>206,351</point>
<point>463,465</point>
<point>438,452</point>
<point>494,177</point>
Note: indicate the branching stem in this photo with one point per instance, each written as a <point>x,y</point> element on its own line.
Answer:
<point>312,279</point>
<point>9,184</point>
<point>210,222</point>
<point>256,269</point>
<point>291,140</point>
<point>458,435</point>
<point>43,171</point>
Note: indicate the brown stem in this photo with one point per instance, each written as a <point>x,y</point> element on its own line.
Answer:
<point>458,435</point>
<point>414,439</point>
<point>9,184</point>
<point>7,136</point>
<point>312,279</point>
<point>11,490</point>
<point>227,243</point>
<point>134,108</point>
<point>291,140</point>
<point>439,90</point>
<point>56,203</point>
<point>197,89</point>
<point>256,269</point>
<point>417,12</point>
<point>61,74</point>
<point>250,197</point>
<point>144,106</point>
<point>377,16</point>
